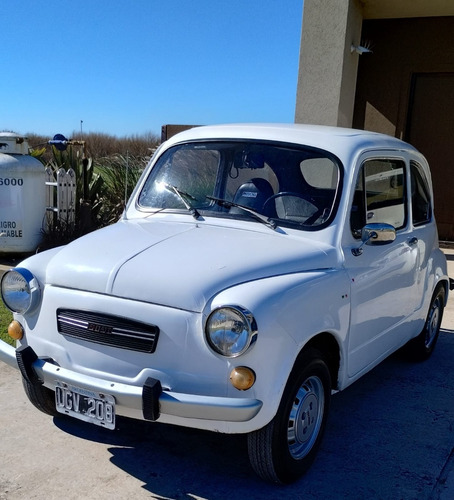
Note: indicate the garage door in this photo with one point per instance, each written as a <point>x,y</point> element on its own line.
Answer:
<point>430,128</point>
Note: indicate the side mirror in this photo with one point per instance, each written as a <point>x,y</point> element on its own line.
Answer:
<point>375,234</point>
<point>378,234</point>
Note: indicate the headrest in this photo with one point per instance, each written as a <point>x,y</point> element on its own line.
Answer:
<point>253,194</point>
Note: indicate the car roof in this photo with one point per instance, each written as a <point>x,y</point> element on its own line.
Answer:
<point>339,141</point>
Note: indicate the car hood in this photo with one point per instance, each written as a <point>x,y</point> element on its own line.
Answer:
<point>180,264</point>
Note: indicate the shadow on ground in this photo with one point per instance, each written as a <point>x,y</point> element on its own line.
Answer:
<point>389,436</point>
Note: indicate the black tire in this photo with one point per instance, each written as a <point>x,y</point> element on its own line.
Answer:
<point>421,347</point>
<point>283,450</point>
<point>41,397</point>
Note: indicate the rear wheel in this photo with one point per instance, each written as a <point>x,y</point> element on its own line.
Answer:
<point>41,397</point>
<point>283,450</point>
<point>422,346</point>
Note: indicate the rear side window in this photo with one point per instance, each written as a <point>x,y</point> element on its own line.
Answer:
<point>379,195</point>
<point>320,173</point>
<point>421,204</point>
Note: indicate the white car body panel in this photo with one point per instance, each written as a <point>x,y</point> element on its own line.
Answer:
<point>229,256</point>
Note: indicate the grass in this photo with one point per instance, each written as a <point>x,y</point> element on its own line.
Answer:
<point>5,319</point>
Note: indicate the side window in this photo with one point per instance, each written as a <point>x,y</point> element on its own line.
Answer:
<point>379,195</point>
<point>420,196</point>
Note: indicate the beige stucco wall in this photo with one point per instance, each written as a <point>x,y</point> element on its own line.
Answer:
<point>327,66</point>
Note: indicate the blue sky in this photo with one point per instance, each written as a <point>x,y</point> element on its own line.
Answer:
<point>126,67</point>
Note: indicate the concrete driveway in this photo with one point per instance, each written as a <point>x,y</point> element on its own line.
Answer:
<point>390,436</point>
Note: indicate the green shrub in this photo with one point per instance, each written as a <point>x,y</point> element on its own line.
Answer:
<point>5,319</point>
<point>120,174</point>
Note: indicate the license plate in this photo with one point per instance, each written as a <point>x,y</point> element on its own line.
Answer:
<point>90,406</point>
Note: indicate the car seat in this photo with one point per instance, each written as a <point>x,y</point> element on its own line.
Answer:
<point>252,194</point>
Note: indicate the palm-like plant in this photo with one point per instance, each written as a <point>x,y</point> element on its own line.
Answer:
<point>120,175</point>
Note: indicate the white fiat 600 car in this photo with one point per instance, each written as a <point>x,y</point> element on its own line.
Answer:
<point>256,270</point>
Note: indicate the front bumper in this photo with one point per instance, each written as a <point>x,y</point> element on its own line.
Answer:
<point>149,402</point>
<point>8,354</point>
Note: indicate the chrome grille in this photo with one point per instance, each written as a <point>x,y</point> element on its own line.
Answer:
<point>108,330</point>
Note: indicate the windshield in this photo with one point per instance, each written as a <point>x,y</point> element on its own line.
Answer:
<point>293,186</point>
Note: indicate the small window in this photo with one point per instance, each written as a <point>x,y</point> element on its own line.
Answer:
<point>421,205</point>
<point>320,173</point>
<point>379,195</point>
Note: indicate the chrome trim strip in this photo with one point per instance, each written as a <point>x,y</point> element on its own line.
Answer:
<point>108,330</point>
<point>8,354</point>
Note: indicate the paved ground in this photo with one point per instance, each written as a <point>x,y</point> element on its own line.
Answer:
<point>390,436</point>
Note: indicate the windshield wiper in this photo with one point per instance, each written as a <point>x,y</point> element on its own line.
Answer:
<point>183,195</point>
<point>260,217</point>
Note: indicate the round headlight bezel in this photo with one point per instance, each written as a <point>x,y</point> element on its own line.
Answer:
<point>244,339</point>
<point>20,281</point>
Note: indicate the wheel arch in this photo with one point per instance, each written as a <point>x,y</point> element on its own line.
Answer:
<point>327,344</point>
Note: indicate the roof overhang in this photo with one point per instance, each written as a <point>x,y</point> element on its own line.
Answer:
<point>387,9</point>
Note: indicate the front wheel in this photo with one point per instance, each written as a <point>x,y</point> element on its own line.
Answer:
<point>283,450</point>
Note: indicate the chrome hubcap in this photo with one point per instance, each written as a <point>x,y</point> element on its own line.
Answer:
<point>306,417</point>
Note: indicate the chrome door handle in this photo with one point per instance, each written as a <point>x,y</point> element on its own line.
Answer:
<point>413,241</point>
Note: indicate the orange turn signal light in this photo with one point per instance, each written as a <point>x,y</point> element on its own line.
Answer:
<point>15,330</point>
<point>242,378</point>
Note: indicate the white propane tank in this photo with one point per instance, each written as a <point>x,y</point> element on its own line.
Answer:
<point>22,196</point>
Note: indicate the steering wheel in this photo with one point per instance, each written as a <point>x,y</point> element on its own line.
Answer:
<point>311,219</point>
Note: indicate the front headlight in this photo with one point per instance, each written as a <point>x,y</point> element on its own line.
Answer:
<point>230,330</point>
<point>20,290</point>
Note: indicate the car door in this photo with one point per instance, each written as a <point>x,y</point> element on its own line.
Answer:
<point>424,227</point>
<point>383,277</point>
